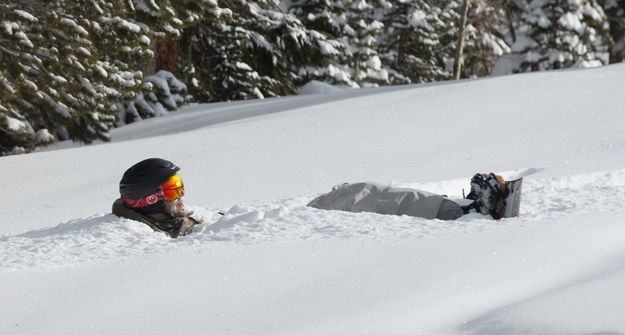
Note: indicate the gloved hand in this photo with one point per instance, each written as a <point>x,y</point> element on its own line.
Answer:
<point>186,227</point>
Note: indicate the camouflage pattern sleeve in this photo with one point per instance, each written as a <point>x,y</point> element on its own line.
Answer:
<point>171,227</point>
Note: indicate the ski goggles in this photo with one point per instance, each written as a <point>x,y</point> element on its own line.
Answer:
<point>172,188</point>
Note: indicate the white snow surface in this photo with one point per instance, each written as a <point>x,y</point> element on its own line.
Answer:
<point>271,265</point>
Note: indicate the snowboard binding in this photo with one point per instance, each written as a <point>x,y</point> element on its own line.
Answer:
<point>489,193</point>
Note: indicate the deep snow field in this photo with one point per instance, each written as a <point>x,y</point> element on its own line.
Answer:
<point>271,265</point>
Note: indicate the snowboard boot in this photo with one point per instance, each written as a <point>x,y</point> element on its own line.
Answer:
<point>477,185</point>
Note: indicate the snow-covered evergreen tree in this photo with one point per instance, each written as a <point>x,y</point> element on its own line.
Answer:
<point>160,93</point>
<point>307,53</point>
<point>486,38</point>
<point>254,51</point>
<point>361,32</point>
<point>511,10</point>
<point>560,34</point>
<point>63,62</point>
<point>216,57</point>
<point>278,42</point>
<point>166,18</point>
<point>410,45</point>
<point>328,19</point>
<point>67,66</point>
<point>484,44</point>
<point>615,12</point>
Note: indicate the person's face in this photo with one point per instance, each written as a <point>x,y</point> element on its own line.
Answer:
<point>173,188</point>
<point>176,207</point>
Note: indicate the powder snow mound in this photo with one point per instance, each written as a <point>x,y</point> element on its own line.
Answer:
<point>106,237</point>
<point>276,266</point>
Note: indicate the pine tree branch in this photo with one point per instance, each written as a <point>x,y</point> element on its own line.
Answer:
<point>20,53</point>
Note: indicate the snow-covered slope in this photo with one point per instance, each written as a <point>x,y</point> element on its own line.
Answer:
<point>271,265</point>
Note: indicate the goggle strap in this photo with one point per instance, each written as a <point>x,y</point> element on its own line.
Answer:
<point>145,201</point>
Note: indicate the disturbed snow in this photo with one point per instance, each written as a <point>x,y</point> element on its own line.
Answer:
<point>271,265</point>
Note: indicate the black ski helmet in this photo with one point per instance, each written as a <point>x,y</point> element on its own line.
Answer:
<point>145,178</point>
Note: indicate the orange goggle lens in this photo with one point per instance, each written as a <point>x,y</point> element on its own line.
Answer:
<point>173,188</point>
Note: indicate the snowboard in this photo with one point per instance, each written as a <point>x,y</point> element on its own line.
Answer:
<point>513,200</point>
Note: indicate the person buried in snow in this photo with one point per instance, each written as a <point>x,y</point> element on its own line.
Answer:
<point>151,192</point>
<point>490,195</point>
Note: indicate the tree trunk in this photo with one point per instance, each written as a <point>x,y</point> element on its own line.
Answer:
<point>510,24</point>
<point>460,46</point>
<point>167,51</point>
